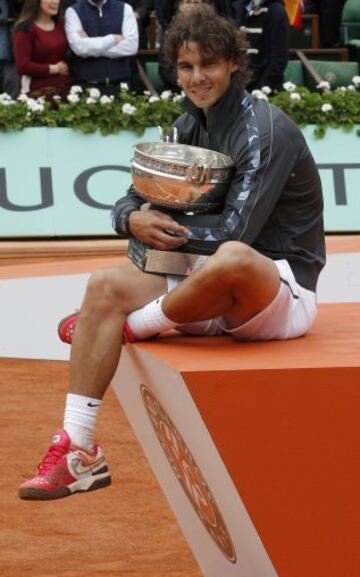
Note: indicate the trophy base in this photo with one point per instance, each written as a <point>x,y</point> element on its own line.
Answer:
<point>163,261</point>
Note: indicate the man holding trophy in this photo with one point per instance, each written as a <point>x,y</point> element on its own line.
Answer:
<point>237,197</point>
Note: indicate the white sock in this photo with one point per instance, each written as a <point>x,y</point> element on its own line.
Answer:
<point>150,320</point>
<point>80,420</point>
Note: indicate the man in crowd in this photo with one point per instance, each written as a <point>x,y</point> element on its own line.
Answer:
<point>267,27</point>
<point>142,10</point>
<point>9,10</point>
<point>103,35</point>
<point>266,246</point>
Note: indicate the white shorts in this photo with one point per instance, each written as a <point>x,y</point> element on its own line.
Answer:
<point>289,315</point>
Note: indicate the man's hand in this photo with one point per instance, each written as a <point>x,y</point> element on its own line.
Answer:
<point>82,33</point>
<point>157,229</point>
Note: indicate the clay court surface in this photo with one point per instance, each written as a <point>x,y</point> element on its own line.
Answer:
<point>126,529</point>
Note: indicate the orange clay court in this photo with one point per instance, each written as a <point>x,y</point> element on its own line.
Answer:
<point>294,459</point>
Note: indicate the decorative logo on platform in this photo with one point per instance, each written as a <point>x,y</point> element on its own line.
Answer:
<point>188,474</point>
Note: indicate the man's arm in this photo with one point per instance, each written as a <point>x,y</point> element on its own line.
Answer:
<point>252,195</point>
<point>152,227</point>
<point>130,37</point>
<point>80,43</point>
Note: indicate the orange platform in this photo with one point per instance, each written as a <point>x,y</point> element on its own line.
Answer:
<point>284,420</point>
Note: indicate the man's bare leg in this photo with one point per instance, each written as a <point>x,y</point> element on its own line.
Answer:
<point>73,463</point>
<point>236,282</point>
<point>110,296</point>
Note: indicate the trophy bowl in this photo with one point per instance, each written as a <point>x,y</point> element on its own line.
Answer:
<point>180,176</point>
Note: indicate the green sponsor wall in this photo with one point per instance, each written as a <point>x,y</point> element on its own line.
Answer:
<point>57,182</point>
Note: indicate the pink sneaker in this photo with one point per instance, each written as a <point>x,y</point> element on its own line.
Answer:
<point>66,470</point>
<point>128,334</point>
<point>66,328</point>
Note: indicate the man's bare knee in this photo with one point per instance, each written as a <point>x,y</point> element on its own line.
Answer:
<point>106,290</point>
<point>233,261</point>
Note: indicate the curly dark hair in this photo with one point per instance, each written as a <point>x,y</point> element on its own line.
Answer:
<point>215,36</point>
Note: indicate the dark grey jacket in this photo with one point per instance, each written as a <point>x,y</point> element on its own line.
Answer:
<point>274,202</point>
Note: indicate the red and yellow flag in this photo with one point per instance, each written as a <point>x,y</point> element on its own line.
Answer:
<point>294,11</point>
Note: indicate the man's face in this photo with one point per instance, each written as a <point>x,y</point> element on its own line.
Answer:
<point>204,80</point>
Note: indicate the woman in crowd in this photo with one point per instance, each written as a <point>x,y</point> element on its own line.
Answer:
<point>41,49</point>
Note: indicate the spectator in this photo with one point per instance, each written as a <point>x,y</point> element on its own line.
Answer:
<point>8,76</point>
<point>166,9</point>
<point>330,19</point>
<point>41,49</point>
<point>103,35</point>
<point>159,11</point>
<point>142,10</point>
<point>267,27</point>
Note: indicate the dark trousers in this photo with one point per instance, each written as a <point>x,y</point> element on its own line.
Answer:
<point>9,79</point>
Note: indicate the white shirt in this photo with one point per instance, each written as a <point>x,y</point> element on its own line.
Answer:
<point>102,45</point>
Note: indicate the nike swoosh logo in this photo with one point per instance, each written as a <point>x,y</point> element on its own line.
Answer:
<point>93,404</point>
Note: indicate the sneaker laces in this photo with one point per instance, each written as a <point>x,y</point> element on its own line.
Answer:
<point>51,459</point>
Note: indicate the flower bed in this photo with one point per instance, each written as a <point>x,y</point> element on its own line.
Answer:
<point>89,111</point>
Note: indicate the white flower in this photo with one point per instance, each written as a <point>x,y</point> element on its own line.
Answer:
<point>351,87</point>
<point>22,98</point>
<point>106,99</point>
<point>323,85</point>
<point>6,102</point>
<point>76,89</point>
<point>342,88</point>
<point>5,97</point>
<point>326,107</point>
<point>177,97</point>
<point>56,97</point>
<point>266,90</point>
<point>94,93</point>
<point>259,95</point>
<point>124,87</point>
<point>289,86</point>
<point>73,98</point>
<point>295,96</point>
<point>153,99</point>
<point>91,100</point>
<point>128,108</point>
<point>165,95</point>
<point>356,81</point>
<point>34,106</point>
<point>147,92</point>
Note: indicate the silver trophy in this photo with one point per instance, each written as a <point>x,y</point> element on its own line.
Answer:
<point>177,177</point>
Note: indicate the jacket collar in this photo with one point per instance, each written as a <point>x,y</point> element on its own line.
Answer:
<point>219,117</point>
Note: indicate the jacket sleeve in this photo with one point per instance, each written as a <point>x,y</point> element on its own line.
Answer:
<point>130,43</point>
<point>251,197</point>
<point>23,48</point>
<point>86,46</point>
<point>123,207</point>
